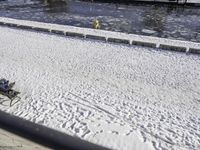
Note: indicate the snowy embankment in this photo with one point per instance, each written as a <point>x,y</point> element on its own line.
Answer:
<point>122,97</point>
<point>117,37</point>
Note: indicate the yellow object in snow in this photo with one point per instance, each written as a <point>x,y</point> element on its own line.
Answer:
<point>96,24</point>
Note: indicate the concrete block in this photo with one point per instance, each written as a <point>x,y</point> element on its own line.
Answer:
<point>173,48</point>
<point>94,37</point>
<point>24,27</point>
<point>11,24</point>
<point>115,40</point>
<point>194,50</point>
<point>2,23</point>
<point>58,32</point>
<point>40,29</point>
<point>146,44</point>
<point>73,34</point>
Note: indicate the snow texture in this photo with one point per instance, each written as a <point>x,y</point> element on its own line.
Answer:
<point>122,97</point>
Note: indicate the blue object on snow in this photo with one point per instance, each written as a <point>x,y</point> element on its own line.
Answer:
<point>4,85</point>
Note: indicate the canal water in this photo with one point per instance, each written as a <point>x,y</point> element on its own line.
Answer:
<point>168,21</point>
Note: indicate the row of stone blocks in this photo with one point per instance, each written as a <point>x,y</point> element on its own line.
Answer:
<point>109,39</point>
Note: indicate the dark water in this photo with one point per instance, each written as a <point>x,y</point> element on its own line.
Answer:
<point>169,21</point>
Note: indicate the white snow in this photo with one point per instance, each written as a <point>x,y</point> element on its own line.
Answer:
<point>147,31</point>
<point>122,97</point>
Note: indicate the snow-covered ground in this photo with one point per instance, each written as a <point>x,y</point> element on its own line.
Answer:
<point>122,97</point>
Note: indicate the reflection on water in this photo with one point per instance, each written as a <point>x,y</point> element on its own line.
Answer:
<point>158,21</point>
<point>56,6</point>
<point>176,22</point>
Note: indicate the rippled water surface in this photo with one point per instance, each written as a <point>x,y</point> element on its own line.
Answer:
<point>169,21</point>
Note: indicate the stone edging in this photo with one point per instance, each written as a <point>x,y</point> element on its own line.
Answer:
<point>106,36</point>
